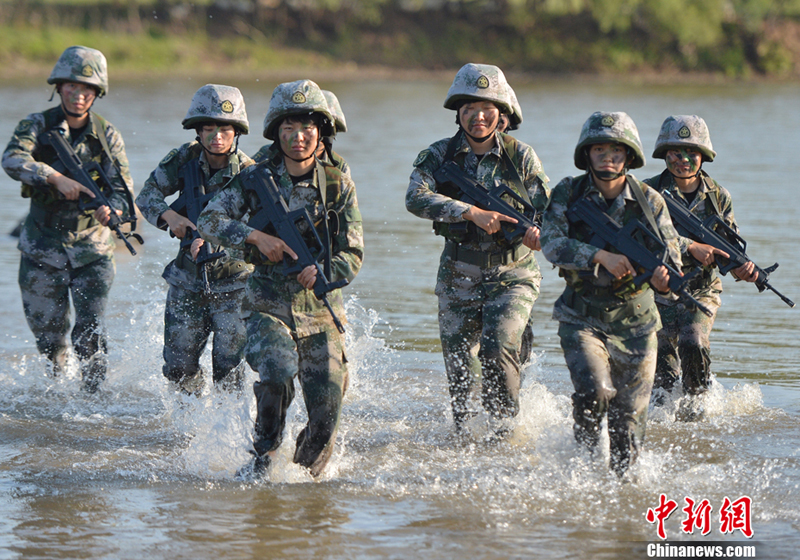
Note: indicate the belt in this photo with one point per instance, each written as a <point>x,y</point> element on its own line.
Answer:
<point>485,259</point>
<point>61,223</point>
<point>215,271</point>
<point>607,311</point>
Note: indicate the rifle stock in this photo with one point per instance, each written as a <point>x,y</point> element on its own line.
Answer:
<point>715,232</point>
<point>607,231</point>
<point>80,172</point>
<point>275,212</point>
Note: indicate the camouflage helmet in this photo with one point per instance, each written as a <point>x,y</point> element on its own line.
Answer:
<point>216,103</point>
<point>684,131</point>
<point>481,82</point>
<point>602,127</point>
<point>81,65</point>
<point>339,123</point>
<point>515,118</point>
<point>302,97</point>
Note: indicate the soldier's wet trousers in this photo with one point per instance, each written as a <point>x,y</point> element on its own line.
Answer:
<point>46,295</point>
<point>481,326</point>
<point>189,319</point>
<point>611,377</point>
<point>684,349</point>
<point>319,363</point>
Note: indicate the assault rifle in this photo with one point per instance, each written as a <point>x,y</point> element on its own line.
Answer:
<point>275,212</point>
<point>715,232</point>
<point>80,172</point>
<point>607,231</point>
<point>491,200</point>
<point>190,203</point>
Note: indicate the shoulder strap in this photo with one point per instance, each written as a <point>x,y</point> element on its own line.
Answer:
<point>713,196</point>
<point>646,210</point>
<point>507,142</point>
<point>322,184</point>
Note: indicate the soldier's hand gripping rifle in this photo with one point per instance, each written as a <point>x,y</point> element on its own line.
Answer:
<point>715,232</point>
<point>275,213</point>
<point>491,200</point>
<point>81,172</point>
<point>190,204</point>
<point>607,231</point>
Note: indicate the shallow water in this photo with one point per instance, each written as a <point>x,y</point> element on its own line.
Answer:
<point>136,471</point>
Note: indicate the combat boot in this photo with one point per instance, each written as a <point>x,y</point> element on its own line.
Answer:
<point>93,372</point>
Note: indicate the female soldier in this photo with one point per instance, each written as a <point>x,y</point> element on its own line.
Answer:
<point>486,287</point>
<point>683,344</point>
<point>194,310</point>
<point>66,250</point>
<point>289,331</point>
<point>607,323</point>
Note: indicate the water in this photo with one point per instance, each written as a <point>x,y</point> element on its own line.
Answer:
<point>137,471</point>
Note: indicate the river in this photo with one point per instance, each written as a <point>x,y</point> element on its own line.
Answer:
<point>136,471</point>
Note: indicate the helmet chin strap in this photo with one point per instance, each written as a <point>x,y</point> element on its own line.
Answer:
<point>67,111</point>
<point>233,149</point>
<point>313,153</point>
<point>699,169</point>
<point>471,137</point>
<point>606,175</point>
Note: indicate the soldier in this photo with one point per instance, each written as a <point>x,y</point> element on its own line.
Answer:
<point>289,331</point>
<point>607,323</point>
<point>193,311</point>
<point>486,287</point>
<point>326,145</point>
<point>66,250</point>
<point>683,342</point>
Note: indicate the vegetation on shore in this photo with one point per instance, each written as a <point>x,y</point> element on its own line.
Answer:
<point>726,38</point>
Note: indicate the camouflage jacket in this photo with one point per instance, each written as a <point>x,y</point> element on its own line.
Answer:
<point>568,248</point>
<point>226,274</point>
<point>268,289</point>
<point>424,200</point>
<point>270,151</point>
<point>27,160</point>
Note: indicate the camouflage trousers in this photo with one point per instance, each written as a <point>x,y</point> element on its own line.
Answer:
<point>46,295</point>
<point>684,350</point>
<point>483,313</point>
<point>189,319</point>
<point>318,360</point>
<point>611,376</point>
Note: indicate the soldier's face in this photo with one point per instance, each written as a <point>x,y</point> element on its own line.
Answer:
<point>684,163</point>
<point>608,157</point>
<point>479,118</point>
<point>298,139</point>
<point>77,98</point>
<point>218,139</point>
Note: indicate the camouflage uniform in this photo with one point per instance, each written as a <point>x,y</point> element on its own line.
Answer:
<point>289,331</point>
<point>486,289</point>
<point>607,328</point>
<point>191,315</point>
<point>684,350</point>
<point>64,249</point>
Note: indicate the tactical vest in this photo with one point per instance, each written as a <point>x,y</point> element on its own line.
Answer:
<point>46,197</point>
<point>467,232</point>
<point>581,232</point>
<point>326,228</point>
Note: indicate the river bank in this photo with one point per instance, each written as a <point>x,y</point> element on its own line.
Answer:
<point>276,40</point>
